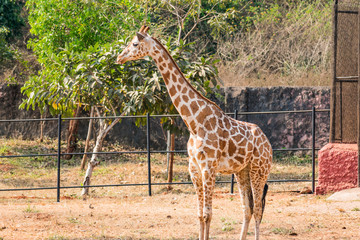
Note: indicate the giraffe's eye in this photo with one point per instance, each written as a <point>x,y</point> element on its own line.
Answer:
<point>135,44</point>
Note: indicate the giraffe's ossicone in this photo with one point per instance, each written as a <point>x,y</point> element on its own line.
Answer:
<point>218,143</point>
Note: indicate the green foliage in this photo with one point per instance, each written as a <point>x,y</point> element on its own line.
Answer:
<point>77,25</point>
<point>67,33</point>
<point>31,209</point>
<point>10,17</point>
<point>4,150</point>
<point>5,51</point>
<point>205,22</point>
<point>283,231</point>
<point>92,78</point>
<point>78,57</point>
<point>12,26</point>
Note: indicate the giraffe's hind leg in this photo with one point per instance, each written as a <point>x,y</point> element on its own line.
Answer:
<point>259,190</point>
<point>243,179</point>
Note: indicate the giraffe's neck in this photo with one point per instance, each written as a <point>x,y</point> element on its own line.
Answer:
<point>188,101</point>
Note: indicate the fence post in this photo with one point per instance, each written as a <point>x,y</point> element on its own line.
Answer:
<point>232,175</point>
<point>58,159</point>
<point>313,147</point>
<point>148,150</point>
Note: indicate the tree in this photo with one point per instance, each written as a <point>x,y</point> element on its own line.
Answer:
<point>10,17</point>
<point>11,23</point>
<point>60,27</point>
<point>205,22</point>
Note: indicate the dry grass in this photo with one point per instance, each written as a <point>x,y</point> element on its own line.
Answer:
<point>120,169</point>
<point>289,45</point>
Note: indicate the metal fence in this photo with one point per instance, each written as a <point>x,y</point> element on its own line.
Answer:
<point>148,151</point>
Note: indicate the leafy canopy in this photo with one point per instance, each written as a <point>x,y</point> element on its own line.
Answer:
<point>77,43</point>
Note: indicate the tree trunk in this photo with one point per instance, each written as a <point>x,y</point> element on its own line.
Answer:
<point>103,131</point>
<point>42,123</point>
<point>83,161</point>
<point>171,160</point>
<point>92,163</point>
<point>72,135</point>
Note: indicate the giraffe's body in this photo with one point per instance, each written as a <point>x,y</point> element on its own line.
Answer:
<point>218,143</point>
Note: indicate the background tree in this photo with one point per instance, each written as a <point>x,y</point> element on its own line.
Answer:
<point>11,24</point>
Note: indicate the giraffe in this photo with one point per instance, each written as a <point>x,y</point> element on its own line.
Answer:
<point>217,143</point>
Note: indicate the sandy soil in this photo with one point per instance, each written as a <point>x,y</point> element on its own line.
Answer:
<point>171,216</point>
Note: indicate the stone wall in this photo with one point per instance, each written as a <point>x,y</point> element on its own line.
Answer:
<point>283,130</point>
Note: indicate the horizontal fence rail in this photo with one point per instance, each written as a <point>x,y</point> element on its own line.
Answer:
<point>148,151</point>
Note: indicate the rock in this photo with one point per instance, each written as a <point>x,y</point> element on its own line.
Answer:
<point>306,190</point>
<point>337,167</point>
<point>352,194</point>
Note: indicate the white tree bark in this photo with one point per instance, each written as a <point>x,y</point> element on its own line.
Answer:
<point>83,162</point>
<point>103,131</point>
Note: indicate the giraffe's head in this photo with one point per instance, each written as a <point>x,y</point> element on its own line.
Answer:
<point>138,47</point>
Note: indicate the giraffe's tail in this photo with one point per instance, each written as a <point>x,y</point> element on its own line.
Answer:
<point>266,187</point>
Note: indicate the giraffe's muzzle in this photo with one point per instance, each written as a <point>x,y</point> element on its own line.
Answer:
<point>120,60</point>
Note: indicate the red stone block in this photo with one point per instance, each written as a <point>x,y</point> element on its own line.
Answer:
<point>337,167</point>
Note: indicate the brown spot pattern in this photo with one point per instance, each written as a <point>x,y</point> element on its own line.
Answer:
<point>194,107</point>
<point>191,94</point>
<point>166,77</point>
<point>203,114</point>
<point>177,101</point>
<point>222,144</point>
<point>185,111</point>
<point>232,148</point>
<point>212,137</point>
<point>210,152</point>
<point>170,66</point>
<point>172,91</point>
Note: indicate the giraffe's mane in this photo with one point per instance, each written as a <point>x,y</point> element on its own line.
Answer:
<point>182,75</point>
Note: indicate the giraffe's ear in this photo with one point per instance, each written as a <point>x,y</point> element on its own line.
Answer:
<point>140,36</point>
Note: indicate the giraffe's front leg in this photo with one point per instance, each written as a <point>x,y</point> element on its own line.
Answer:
<point>197,181</point>
<point>208,185</point>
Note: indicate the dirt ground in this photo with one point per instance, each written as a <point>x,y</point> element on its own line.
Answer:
<point>165,215</point>
<point>129,213</point>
